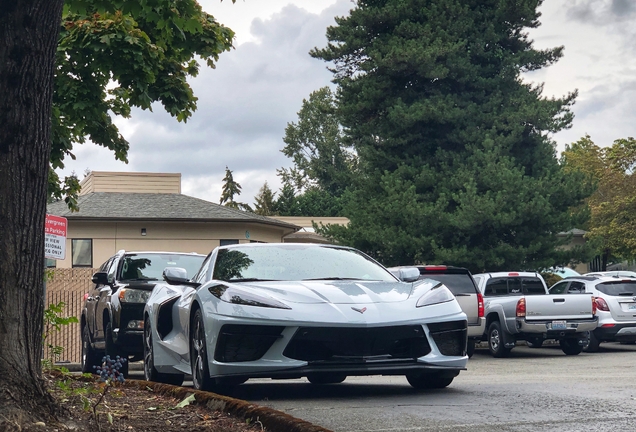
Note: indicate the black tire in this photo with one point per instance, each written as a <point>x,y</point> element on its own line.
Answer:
<point>535,342</point>
<point>90,357</point>
<point>424,381</point>
<point>593,344</point>
<point>326,378</point>
<point>470,348</point>
<point>150,373</point>
<point>570,346</point>
<point>495,341</point>
<point>199,355</point>
<point>113,351</point>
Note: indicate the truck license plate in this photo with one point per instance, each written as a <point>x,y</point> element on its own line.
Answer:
<point>558,325</point>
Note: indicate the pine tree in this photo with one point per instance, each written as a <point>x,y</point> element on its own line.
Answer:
<point>265,201</point>
<point>456,165</point>
<point>230,189</point>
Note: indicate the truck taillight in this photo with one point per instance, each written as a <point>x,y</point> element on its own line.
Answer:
<point>594,305</point>
<point>85,296</point>
<point>601,304</point>
<point>521,307</point>
<point>480,305</point>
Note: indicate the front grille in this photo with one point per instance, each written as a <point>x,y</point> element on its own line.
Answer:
<point>240,343</point>
<point>337,344</point>
<point>450,337</point>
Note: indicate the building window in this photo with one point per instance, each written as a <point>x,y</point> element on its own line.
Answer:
<point>228,242</point>
<point>82,252</point>
<point>51,263</point>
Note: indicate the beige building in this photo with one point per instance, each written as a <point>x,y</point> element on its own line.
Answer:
<point>147,211</point>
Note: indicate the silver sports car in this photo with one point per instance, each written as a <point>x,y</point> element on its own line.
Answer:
<point>281,311</point>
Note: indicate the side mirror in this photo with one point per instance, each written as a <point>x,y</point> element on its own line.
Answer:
<point>100,278</point>
<point>406,274</point>
<point>178,276</point>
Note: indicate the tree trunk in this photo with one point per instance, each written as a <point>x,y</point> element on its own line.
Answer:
<point>28,38</point>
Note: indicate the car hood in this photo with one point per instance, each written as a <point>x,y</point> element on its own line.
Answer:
<point>336,292</point>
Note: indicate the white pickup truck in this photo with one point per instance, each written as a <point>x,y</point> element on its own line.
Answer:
<point>518,307</point>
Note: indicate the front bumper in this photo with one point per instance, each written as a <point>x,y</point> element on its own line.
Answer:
<point>544,328</point>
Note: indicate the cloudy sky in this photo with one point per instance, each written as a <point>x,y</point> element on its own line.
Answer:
<point>257,88</point>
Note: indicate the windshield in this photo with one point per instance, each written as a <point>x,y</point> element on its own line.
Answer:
<point>618,288</point>
<point>150,266</point>
<point>296,262</point>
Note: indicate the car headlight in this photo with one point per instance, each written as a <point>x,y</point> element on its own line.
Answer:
<point>128,295</point>
<point>238,296</point>
<point>439,294</point>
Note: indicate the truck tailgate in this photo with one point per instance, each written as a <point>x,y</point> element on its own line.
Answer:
<point>558,307</point>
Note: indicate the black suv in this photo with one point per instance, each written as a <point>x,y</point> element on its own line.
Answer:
<point>112,316</point>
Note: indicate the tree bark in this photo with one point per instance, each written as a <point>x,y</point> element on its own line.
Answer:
<point>28,38</point>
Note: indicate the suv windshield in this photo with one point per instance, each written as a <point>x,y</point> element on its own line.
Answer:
<point>618,288</point>
<point>150,266</point>
<point>296,262</point>
<point>457,283</point>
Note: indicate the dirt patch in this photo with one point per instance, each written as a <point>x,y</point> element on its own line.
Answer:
<point>136,405</point>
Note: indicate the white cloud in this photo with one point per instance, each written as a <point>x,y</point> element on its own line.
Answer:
<point>257,88</point>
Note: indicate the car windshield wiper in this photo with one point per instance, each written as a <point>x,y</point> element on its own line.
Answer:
<point>250,280</point>
<point>626,294</point>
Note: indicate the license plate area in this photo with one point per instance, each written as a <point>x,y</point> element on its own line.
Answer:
<point>558,325</point>
<point>631,306</point>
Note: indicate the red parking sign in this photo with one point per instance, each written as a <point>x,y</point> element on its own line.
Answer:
<point>55,237</point>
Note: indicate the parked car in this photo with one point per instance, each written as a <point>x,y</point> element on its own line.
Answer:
<point>461,283</point>
<point>518,307</point>
<point>617,273</point>
<point>112,316</point>
<point>616,306</point>
<point>295,310</point>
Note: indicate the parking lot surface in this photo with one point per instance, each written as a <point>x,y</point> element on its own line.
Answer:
<point>533,390</point>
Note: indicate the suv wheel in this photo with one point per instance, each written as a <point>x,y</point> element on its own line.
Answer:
<point>113,351</point>
<point>90,357</point>
<point>592,346</point>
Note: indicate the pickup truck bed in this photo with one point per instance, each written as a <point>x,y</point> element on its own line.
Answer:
<point>518,307</point>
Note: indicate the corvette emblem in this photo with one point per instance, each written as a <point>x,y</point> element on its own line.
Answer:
<point>359,310</point>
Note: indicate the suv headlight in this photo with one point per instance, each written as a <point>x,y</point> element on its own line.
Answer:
<point>439,294</point>
<point>128,295</point>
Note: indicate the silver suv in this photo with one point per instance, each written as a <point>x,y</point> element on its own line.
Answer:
<point>615,302</point>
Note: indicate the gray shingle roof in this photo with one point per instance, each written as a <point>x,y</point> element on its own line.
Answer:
<point>155,206</point>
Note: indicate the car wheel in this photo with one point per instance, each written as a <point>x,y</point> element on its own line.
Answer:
<point>535,342</point>
<point>593,344</point>
<point>470,348</point>
<point>423,381</point>
<point>326,378</point>
<point>113,351</point>
<point>570,346</point>
<point>150,373</point>
<point>496,341</point>
<point>198,355</point>
<point>90,357</point>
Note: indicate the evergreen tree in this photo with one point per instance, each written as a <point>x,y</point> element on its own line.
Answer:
<point>265,201</point>
<point>230,189</point>
<point>456,165</point>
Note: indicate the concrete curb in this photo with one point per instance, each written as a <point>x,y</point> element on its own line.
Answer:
<point>271,419</point>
